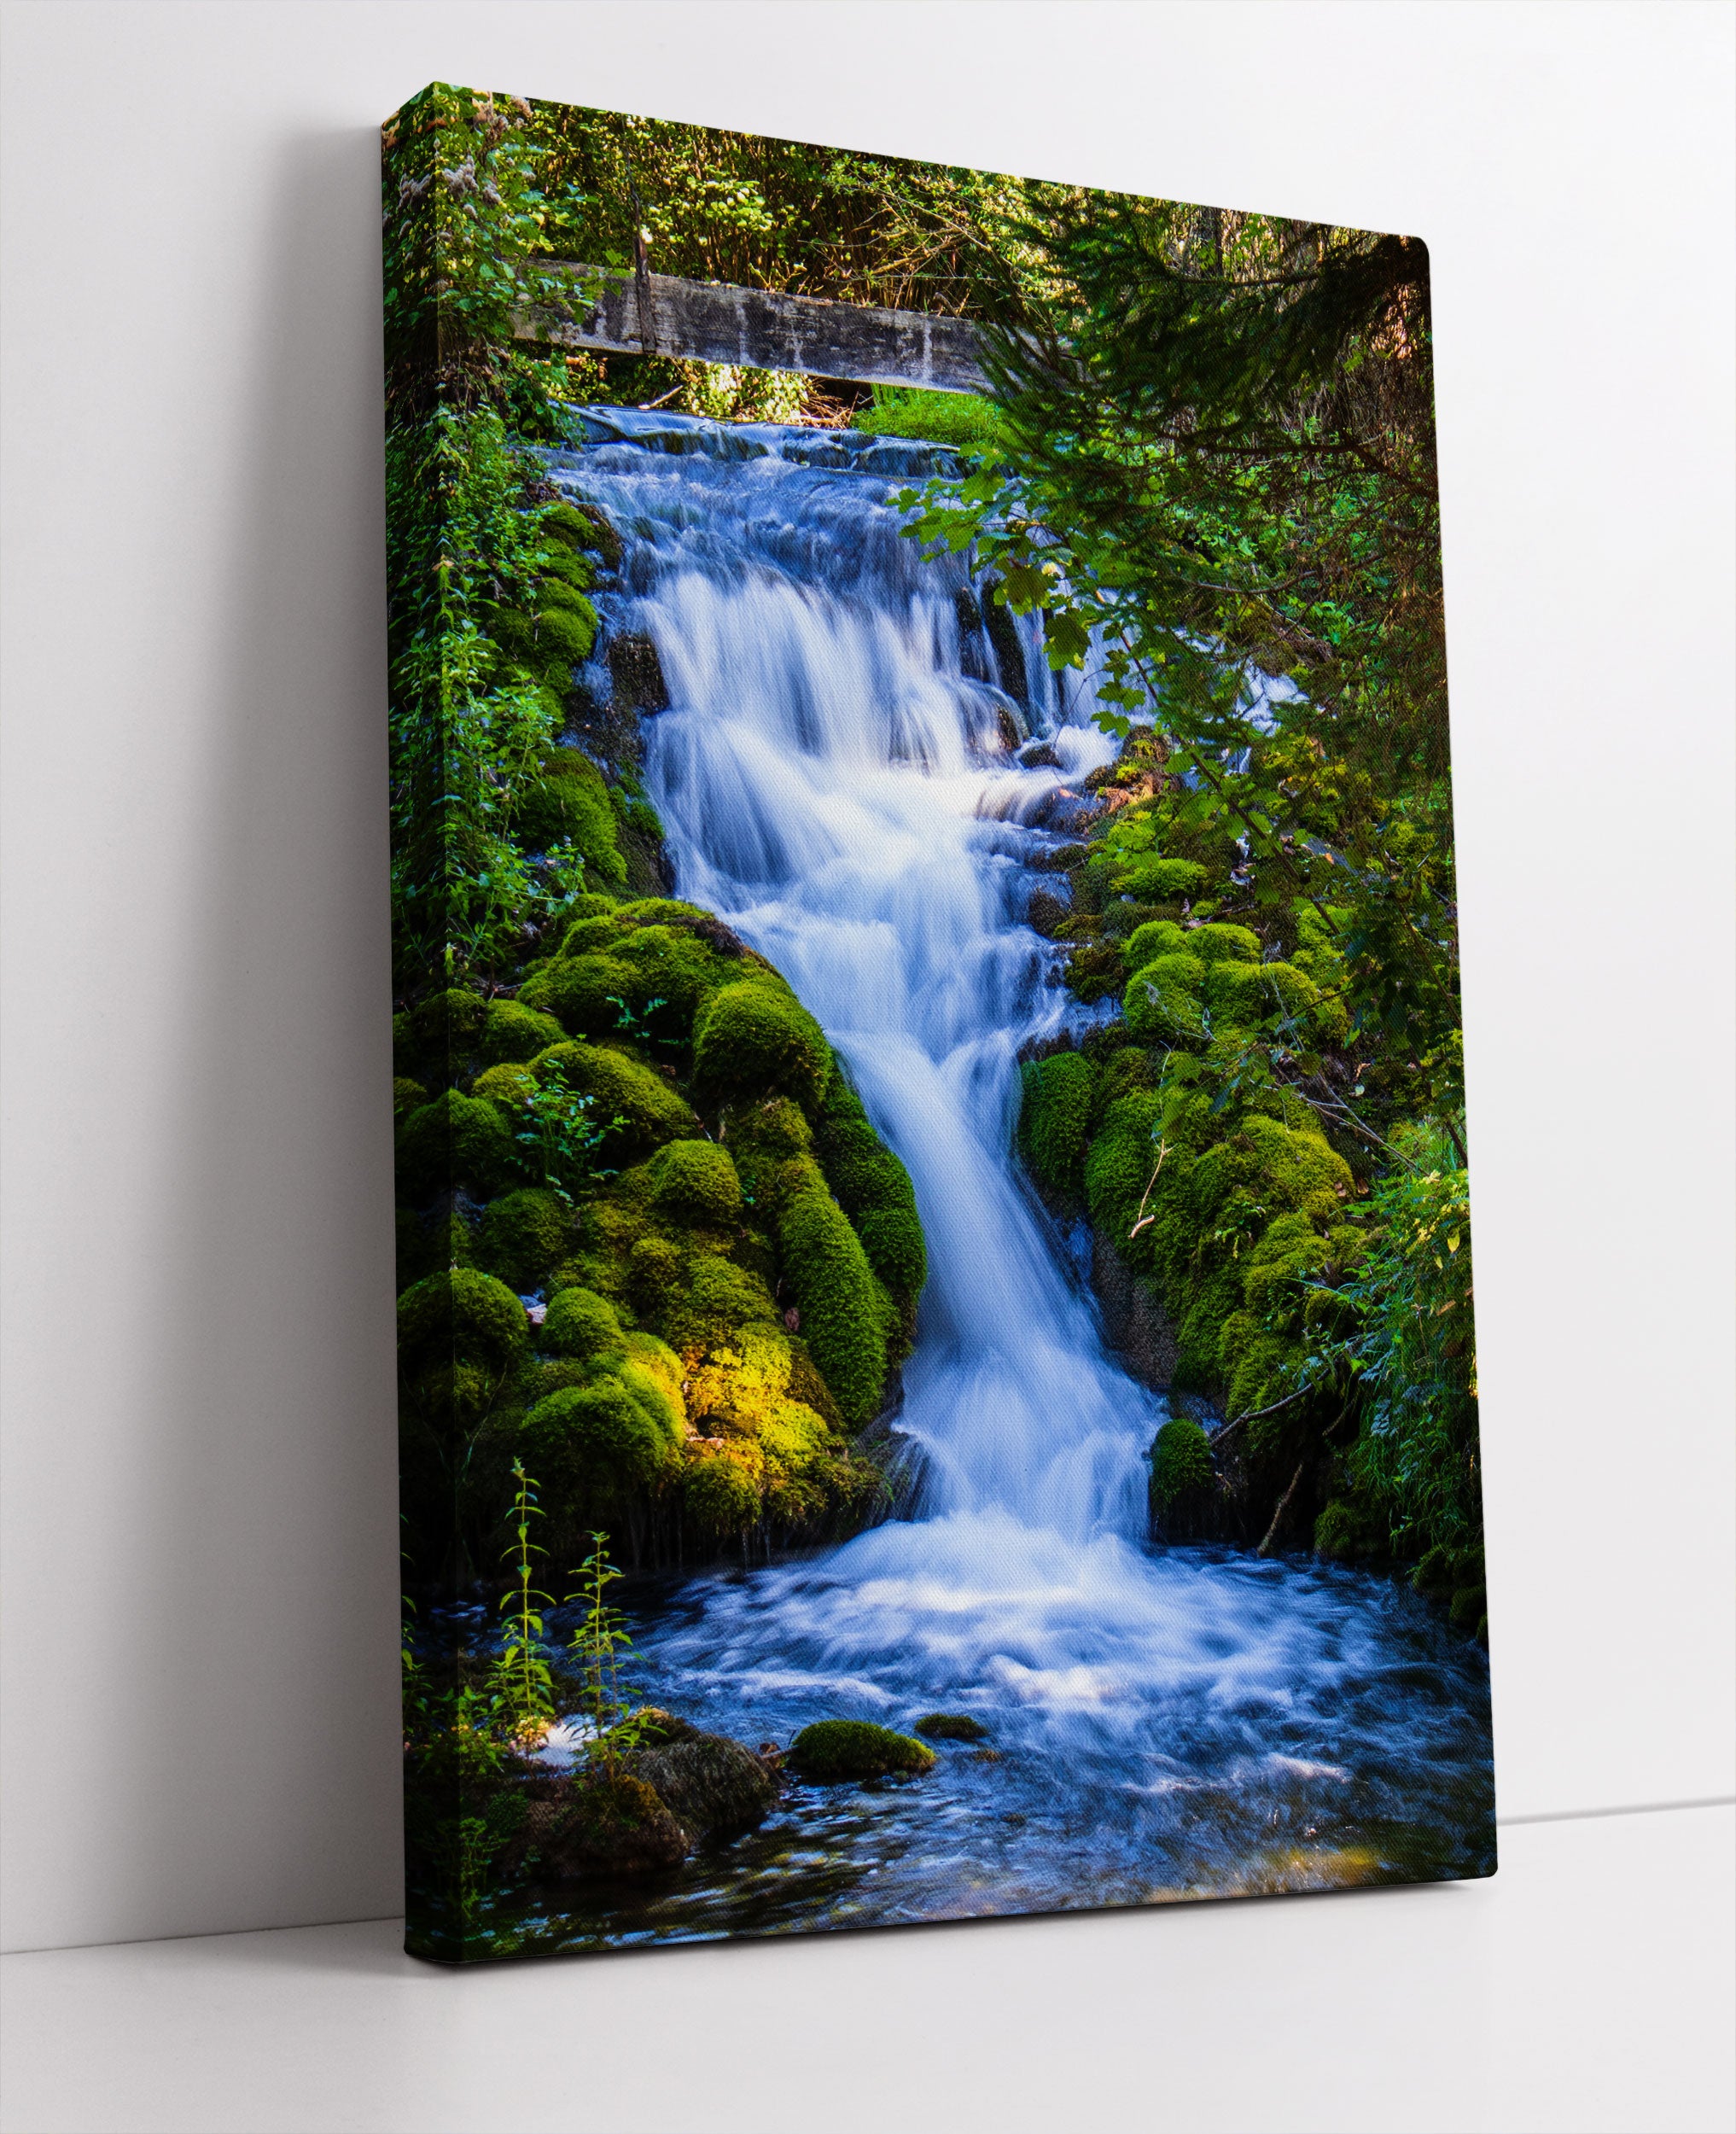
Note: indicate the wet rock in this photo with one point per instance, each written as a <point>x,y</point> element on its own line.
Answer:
<point>597,1825</point>
<point>952,1726</point>
<point>714,1787</point>
<point>1038,755</point>
<point>1058,859</point>
<point>969,614</point>
<point>833,1750</point>
<point>637,674</point>
<point>1008,653</point>
<point>1047,913</point>
<point>1136,1325</point>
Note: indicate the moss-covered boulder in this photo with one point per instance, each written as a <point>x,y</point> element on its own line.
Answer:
<point>596,1448</point>
<point>1055,1116</point>
<point>513,1032</point>
<point>951,1726</point>
<point>523,1236</point>
<point>636,1107</point>
<point>596,1826</point>
<point>459,1311</point>
<point>1182,1474</point>
<point>835,1751</point>
<point>455,1140</point>
<point>754,1036</point>
<point>841,1315</point>
<point>714,1787</point>
<point>1163,1003</point>
<point>696,1182</point>
<point>580,1323</point>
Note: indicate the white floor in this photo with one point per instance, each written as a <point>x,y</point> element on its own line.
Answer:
<point>1588,1988</point>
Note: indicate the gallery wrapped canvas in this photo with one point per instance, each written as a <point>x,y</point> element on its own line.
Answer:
<point>937,1374</point>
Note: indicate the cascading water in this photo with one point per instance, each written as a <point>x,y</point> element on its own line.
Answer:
<point>834,775</point>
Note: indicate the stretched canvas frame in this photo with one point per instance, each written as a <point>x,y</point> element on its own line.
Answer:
<point>937,1374</point>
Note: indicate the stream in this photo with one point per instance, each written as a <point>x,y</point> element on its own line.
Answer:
<point>834,776</point>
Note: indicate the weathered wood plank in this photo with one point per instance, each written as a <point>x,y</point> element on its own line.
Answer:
<point>715,322</point>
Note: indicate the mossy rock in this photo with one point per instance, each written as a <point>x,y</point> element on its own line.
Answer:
<point>952,1726</point>
<point>1182,1472</point>
<point>721,1489</point>
<point>596,1448</point>
<point>460,1311</point>
<point>588,996</point>
<point>570,803</point>
<point>407,1096</point>
<point>893,1239</point>
<point>1341,1533</point>
<point>455,1140</point>
<point>1244,993</point>
<point>1155,880</point>
<point>1055,1101</point>
<point>835,1751</point>
<point>638,1110</point>
<point>774,1127</point>
<point>580,1323</point>
<point>1468,1607</point>
<point>756,1037</point>
<point>1220,943</point>
<point>829,1274</point>
<point>574,526</point>
<point>713,1301</point>
<point>509,1086</point>
<point>715,1788</point>
<point>523,1236</point>
<point>604,1827</point>
<point>1162,1002</point>
<point>696,1181</point>
<point>447,1027</point>
<point>511,1032</point>
<point>1156,937</point>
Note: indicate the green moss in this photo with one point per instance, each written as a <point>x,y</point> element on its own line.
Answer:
<point>581,527</point>
<point>1223,944</point>
<point>893,1239</point>
<point>1153,880</point>
<point>513,1032</point>
<point>1156,937</point>
<point>407,1096</point>
<point>653,1276</point>
<point>580,1323</point>
<point>835,1749</point>
<point>754,1036</point>
<point>1055,1111</point>
<point>459,1312</point>
<point>965,421</point>
<point>713,1300</point>
<point>1162,1003</point>
<point>524,1234</point>
<point>829,1274</point>
<point>721,1489</point>
<point>1181,1464</point>
<point>508,1086</point>
<point>591,995</point>
<point>696,1181</point>
<point>1247,992</point>
<point>1468,1609</point>
<point>623,1088</point>
<point>455,1140</point>
<point>951,1726</point>
<point>776,1128</point>
<point>594,1448</point>
<point>570,803</point>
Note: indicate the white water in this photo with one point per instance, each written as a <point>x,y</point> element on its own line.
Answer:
<point>831,777</point>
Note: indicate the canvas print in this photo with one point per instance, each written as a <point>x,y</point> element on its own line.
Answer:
<point>937,1373</point>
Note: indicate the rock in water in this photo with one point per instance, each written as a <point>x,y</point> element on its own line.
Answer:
<point>952,1726</point>
<point>714,1787</point>
<point>835,1749</point>
<point>602,1826</point>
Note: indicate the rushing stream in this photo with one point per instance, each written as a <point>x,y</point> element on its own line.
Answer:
<point>834,776</point>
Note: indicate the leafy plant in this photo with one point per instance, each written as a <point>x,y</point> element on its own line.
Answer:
<point>520,1685</point>
<point>559,1136</point>
<point>602,1646</point>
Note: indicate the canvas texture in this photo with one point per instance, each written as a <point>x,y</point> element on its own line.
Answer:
<point>936,1364</point>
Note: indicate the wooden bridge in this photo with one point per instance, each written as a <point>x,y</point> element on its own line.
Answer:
<point>644,314</point>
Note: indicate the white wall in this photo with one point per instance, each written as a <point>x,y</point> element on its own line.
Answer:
<point>199,1630</point>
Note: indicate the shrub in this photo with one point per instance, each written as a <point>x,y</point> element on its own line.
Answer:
<point>581,1323</point>
<point>833,1283</point>
<point>754,1036</point>
<point>459,1312</point>
<point>1181,1463</point>
<point>524,1234</point>
<point>840,1749</point>
<point>513,1032</point>
<point>1054,1119</point>
<point>696,1181</point>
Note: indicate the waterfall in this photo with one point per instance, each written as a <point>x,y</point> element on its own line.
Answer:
<point>837,773</point>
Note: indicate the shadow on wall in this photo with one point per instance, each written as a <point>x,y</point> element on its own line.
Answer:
<point>258,1721</point>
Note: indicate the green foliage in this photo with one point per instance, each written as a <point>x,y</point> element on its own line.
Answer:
<point>559,1133</point>
<point>1055,1115</point>
<point>601,1082</point>
<point>1416,1462</point>
<point>520,1688</point>
<point>602,1646</point>
<point>964,421</point>
<point>832,1751</point>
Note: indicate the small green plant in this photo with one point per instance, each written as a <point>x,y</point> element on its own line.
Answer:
<point>601,1644</point>
<point>559,1138</point>
<point>520,1686</point>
